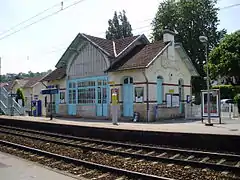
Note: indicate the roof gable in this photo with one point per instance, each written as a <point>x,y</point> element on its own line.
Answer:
<point>139,57</point>
<point>110,48</point>
<point>186,59</point>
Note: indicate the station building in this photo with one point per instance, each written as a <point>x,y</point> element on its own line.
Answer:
<point>152,79</point>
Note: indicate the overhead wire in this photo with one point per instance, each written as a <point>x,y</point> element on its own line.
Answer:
<point>24,27</point>
<point>75,3</point>
<point>23,22</point>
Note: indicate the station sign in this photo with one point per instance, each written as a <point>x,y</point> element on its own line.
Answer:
<point>50,91</point>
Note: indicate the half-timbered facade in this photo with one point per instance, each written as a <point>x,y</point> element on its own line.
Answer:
<point>147,76</point>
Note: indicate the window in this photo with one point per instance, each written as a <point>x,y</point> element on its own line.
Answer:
<point>72,96</point>
<point>86,83</point>
<point>86,96</point>
<point>62,97</point>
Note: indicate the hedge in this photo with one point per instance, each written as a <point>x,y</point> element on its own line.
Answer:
<point>228,91</point>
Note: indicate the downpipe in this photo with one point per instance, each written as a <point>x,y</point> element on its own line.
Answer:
<point>147,92</point>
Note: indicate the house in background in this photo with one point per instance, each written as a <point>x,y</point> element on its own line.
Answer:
<point>31,88</point>
<point>56,78</point>
<point>153,79</point>
<point>32,92</point>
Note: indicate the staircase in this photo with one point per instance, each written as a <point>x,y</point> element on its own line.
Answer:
<point>6,102</point>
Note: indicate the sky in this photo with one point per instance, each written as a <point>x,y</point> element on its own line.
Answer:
<point>39,47</point>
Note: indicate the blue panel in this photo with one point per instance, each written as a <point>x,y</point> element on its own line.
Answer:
<point>102,100</point>
<point>159,91</point>
<point>128,100</point>
<point>57,102</point>
<point>72,109</point>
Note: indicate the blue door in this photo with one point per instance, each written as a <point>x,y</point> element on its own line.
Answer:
<point>57,101</point>
<point>128,97</point>
<point>159,90</point>
<point>102,100</point>
<point>72,96</point>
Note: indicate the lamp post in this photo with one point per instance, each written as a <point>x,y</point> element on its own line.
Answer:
<point>204,40</point>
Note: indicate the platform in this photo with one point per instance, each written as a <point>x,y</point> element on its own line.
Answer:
<point>228,126</point>
<point>14,168</point>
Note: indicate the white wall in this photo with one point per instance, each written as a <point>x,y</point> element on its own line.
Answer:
<point>137,76</point>
<point>171,71</point>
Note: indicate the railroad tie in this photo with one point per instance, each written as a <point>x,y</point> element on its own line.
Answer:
<point>140,160</point>
<point>128,150</point>
<point>41,157</point>
<point>103,176</point>
<point>55,163</point>
<point>136,152</point>
<point>109,147</point>
<point>127,158</point>
<point>238,164</point>
<point>70,141</point>
<point>155,162</point>
<point>160,155</point>
<point>175,156</point>
<point>205,159</point>
<point>76,169</point>
<point>116,148</point>
<point>89,172</point>
<point>150,153</point>
<point>189,157</point>
<point>85,143</point>
<point>121,178</point>
<point>221,161</point>
<point>170,165</point>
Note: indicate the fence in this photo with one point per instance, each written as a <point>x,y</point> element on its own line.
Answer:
<point>192,111</point>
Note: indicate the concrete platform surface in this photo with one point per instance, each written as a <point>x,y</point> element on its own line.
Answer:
<point>229,126</point>
<point>14,168</point>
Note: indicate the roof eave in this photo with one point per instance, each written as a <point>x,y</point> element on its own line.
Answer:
<point>180,46</point>
<point>135,40</point>
<point>95,44</point>
<point>158,54</point>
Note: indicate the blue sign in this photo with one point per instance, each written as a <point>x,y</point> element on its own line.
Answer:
<point>49,91</point>
<point>50,86</point>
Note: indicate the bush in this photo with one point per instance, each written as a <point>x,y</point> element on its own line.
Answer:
<point>20,95</point>
<point>228,91</point>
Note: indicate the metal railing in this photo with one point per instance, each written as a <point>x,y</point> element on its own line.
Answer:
<point>8,104</point>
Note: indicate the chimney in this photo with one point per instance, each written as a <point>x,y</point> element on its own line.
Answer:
<point>168,36</point>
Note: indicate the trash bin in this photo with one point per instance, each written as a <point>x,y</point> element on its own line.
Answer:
<point>136,117</point>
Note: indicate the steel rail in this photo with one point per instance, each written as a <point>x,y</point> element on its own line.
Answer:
<point>215,166</point>
<point>88,164</point>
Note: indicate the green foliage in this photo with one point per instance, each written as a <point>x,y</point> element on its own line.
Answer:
<point>237,99</point>
<point>224,60</point>
<point>119,27</point>
<point>228,91</point>
<point>10,76</point>
<point>190,19</point>
<point>20,95</point>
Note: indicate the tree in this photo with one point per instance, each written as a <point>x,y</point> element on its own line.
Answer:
<point>20,95</point>
<point>224,60</point>
<point>119,27</point>
<point>190,19</point>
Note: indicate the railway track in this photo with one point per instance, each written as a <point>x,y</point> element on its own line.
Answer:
<point>170,156</point>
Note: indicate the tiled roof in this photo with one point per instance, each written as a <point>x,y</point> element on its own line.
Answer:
<point>57,74</point>
<point>107,45</point>
<point>121,44</point>
<point>32,81</point>
<point>140,56</point>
